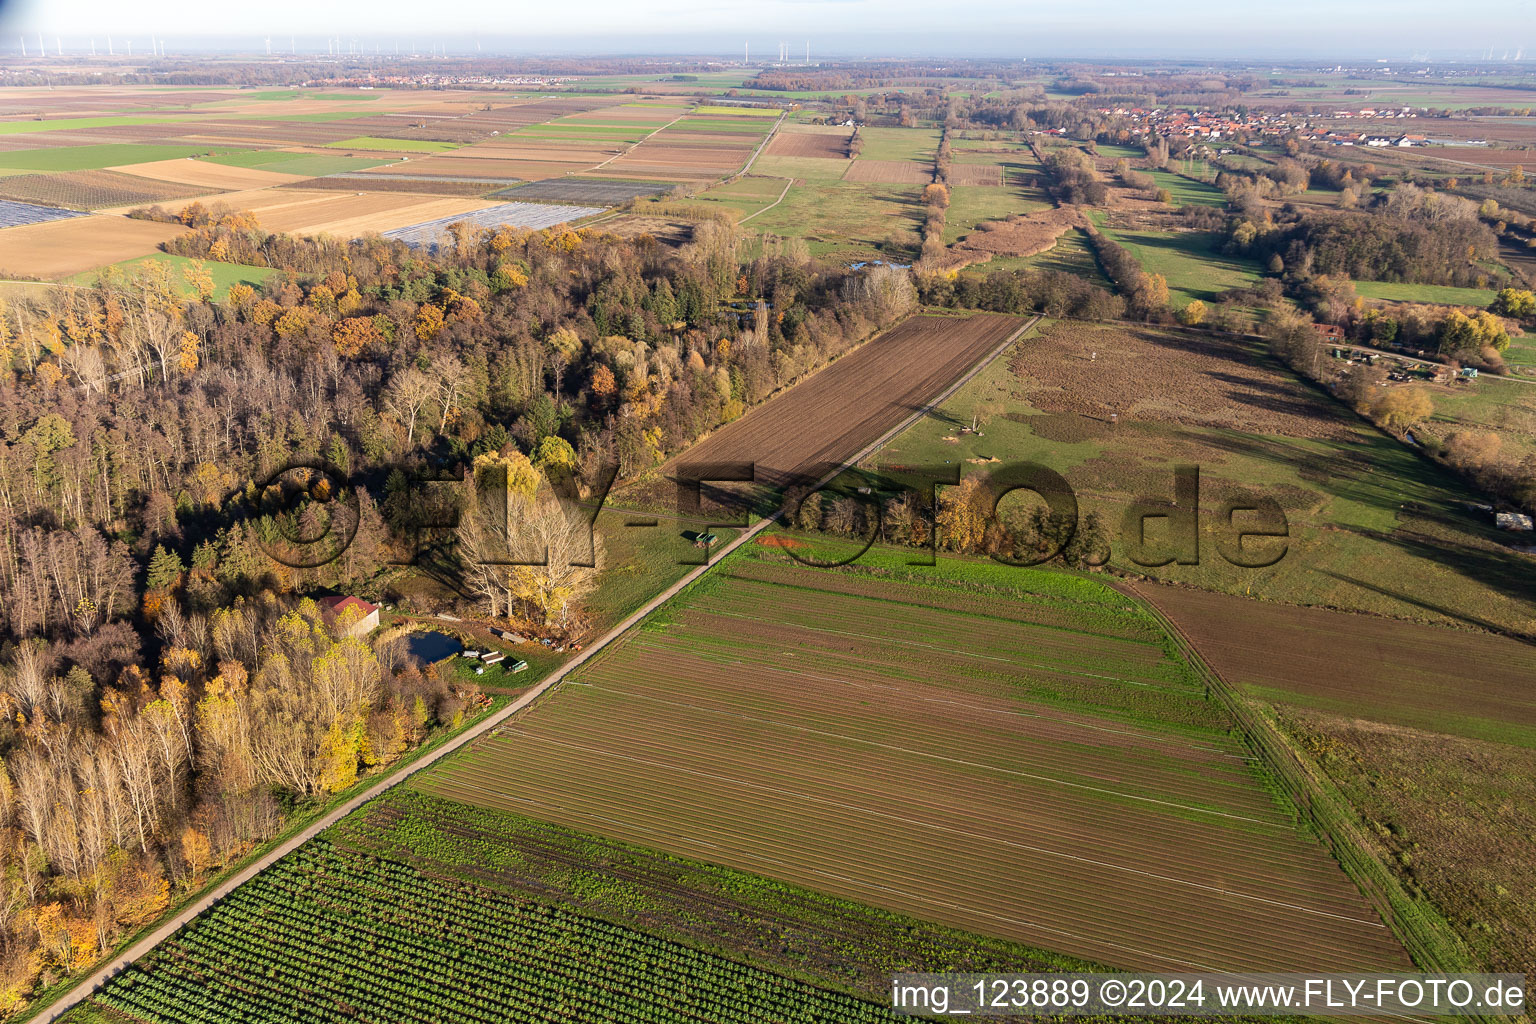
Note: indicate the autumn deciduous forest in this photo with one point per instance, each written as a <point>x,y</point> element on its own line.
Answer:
<point>171,690</point>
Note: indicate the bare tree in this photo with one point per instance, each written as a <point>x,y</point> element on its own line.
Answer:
<point>408,393</point>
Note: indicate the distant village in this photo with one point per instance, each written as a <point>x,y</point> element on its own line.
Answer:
<point>1212,126</point>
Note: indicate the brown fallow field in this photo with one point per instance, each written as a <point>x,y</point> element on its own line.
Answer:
<point>350,216</point>
<point>62,248</point>
<point>888,172</point>
<point>520,115</point>
<point>267,133</point>
<point>860,396</point>
<point>574,151</point>
<point>379,183</point>
<point>1458,816</point>
<point>690,155</point>
<point>491,165</point>
<point>25,141</point>
<point>93,100</point>
<point>1023,235</point>
<point>1145,374</point>
<point>1500,159</point>
<point>827,145</point>
<point>345,214</point>
<point>207,174</point>
<point>1385,670</point>
<point>1518,131</point>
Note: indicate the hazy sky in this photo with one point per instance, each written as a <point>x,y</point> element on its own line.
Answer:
<point>1324,28</point>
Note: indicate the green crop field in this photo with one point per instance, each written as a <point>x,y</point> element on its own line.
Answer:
<point>1184,192</point>
<point>69,123</point>
<point>1393,292</point>
<point>1110,151</point>
<point>812,169</point>
<point>1192,268</point>
<point>1506,408</point>
<point>369,142</point>
<point>1521,351</point>
<point>747,194</point>
<point>331,935</point>
<point>90,158</point>
<point>737,111</point>
<point>708,124</point>
<point>839,219</point>
<point>970,205</point>
<point>225,275</point>
<point>991,692</point>
<point>639,563</point>
<point>1072,254</point>
<point>899,144</point>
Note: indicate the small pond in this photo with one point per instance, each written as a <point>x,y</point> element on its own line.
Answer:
<point>432,646</point>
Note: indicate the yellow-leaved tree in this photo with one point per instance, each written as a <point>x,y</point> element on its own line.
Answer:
<point>524,551</point>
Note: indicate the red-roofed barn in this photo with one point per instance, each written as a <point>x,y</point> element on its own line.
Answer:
<point>362,616</point>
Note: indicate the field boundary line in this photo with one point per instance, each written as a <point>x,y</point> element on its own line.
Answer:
<point>1425,936</point>
<point>947,393</point>
<point>760,147</point>
<point>633,145</point>
<point>788,182</point>
<point>92,983</point>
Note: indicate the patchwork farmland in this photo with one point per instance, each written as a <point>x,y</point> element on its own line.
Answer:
<point>1065,780</point>
<point>349,163</point>
<point>780,783</point>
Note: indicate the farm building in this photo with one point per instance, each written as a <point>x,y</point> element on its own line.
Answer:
<point>1330,332</point>
<point>362,617</point>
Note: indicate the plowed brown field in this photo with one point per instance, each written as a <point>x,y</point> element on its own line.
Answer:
<point>831,146</point>
<point>889,172</point>
<point>206,174</point>
<point>1032,765</point>
<point>860,396</point>
<point>64,247</point>
<point>1400,673</point>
